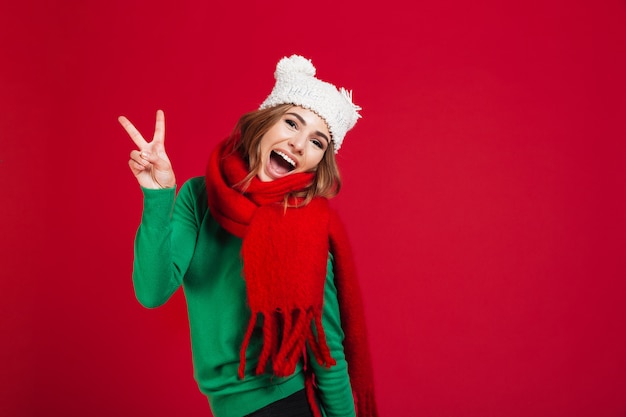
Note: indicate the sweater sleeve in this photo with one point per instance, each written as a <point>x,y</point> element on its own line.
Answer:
<point>159,266</point>
<point>333,383</point>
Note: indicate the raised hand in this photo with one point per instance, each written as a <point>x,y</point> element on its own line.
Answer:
<point>150,163</point>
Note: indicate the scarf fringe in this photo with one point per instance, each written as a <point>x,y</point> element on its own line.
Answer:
<point>309,387</point>
<point>365,404</point>
<point>285,335</point>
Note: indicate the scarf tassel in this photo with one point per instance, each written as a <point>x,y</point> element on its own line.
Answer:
<point>309,387</point>
<point>284,338</point>
<point>365,404</point>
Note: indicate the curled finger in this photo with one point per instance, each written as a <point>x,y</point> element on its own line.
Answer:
<point>135,166</point>
<point>139,158</point>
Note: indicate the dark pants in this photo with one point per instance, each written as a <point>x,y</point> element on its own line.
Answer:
<point>296,405</point>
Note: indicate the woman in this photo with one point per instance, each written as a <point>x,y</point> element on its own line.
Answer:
<point>275,316</point>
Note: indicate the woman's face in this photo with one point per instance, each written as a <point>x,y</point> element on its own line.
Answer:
<point>295,143</point>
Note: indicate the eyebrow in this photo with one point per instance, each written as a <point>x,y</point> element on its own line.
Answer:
<point>297,116</point>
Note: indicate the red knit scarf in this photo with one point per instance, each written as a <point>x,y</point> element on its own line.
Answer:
<point>285,255</point>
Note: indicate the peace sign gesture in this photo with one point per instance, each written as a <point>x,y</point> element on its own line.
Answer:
<point>150,163</point>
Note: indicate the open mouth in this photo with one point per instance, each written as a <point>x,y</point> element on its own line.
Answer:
<point>282,163</point>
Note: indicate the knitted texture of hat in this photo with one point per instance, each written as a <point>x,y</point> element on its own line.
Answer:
<point>296,84</point>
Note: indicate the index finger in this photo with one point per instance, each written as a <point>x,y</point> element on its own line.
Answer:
<point>132,132</point>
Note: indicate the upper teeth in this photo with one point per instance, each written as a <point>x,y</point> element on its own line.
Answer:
<point>286,158</point>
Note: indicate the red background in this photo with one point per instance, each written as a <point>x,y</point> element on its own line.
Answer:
<point>484,193</point>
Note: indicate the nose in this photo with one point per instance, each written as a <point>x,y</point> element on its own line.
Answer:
<point>297,143</point>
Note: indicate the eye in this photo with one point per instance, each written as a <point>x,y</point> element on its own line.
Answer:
<point>317,143</point>
<point>291,123</point>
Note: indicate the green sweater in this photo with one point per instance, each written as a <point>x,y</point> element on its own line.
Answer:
<point>179,242</point>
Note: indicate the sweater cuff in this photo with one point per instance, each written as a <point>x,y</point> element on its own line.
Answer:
<point>158,206</point>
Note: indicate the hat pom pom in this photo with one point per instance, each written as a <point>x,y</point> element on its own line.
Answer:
<point>294,64</point>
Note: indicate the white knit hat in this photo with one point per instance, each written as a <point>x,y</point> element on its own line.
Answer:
<point>296,84</point>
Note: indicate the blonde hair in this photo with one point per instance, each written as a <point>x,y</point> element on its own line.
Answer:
<point>253,125</point>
